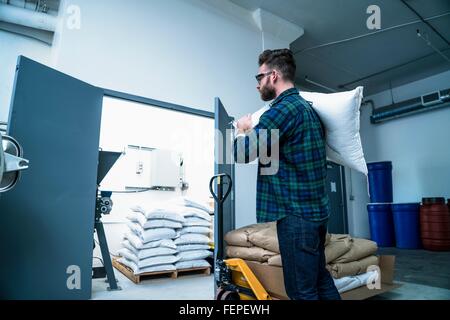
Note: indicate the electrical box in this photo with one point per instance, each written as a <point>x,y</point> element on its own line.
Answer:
<point>165,169</point>
<point>138,170</point>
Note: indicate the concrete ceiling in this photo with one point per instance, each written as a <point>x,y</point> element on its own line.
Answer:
<point>382,58</point>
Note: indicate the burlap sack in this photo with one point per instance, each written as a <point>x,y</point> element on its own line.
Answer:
<point>239,237</point>
<point>266,238</point>
<point>338,245</point>
<point>249,253</point>
<point>360,249</point>
<point>275,261</point>
<point>339,270</point>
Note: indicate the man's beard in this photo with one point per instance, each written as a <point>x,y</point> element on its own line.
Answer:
<point>267,93</point>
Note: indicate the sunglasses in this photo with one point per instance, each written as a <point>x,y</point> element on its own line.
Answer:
<point>260,76</point>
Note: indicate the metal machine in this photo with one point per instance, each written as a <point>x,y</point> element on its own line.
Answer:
<point>11,162</point>
<point>234,278</point>
<point>103,205</point>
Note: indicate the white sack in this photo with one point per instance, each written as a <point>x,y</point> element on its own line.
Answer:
<point>147,253</point>
<point>192,264</point>
<point>193,255</point>
<point>192,238</point>
<point>136,270</point>
<point>189,247</point>
<point>137,242</point>
<point>145,223</point>
<point>194,221</point>
<point>339,113</point>
<point>148,235</point>
<point>148,262</point>
<point>160,211</point>
<point>187,212</point>
<point>196,229</point>
<point>188,202</point>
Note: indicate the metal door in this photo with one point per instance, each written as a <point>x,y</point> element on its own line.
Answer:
<point>224,164</point>
<point>336,193</point>
<point>47,220</point>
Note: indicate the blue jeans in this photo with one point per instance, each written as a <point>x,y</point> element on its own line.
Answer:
<point>302,248</point>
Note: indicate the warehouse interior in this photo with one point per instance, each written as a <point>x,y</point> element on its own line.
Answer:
<point>142,86</point>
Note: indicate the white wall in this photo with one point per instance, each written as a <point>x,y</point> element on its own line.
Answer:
<point>183,52</point>
<point>178,51</point>
<point>12,45</point>
<point>417,145</point>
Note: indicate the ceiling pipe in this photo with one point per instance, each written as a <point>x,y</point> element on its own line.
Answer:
<point>27,18</point>
<point>428,102</point>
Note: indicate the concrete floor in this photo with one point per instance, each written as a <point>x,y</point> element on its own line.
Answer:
<point>425,267</point>
<point>185,287</point>
<point>424,275</point>
<point>413,291</point>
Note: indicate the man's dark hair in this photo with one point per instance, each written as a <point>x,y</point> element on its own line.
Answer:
<point>281,60</point>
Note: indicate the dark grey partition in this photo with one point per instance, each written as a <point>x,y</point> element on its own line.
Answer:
<point>47,220</point>
<point>224,164</point>
<point>338,221</point>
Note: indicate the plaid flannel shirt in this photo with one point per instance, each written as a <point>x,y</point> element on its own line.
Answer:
<point>298,187</point>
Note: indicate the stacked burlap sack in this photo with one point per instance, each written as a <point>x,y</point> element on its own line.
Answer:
<point>166,237</point>
<point>345,256</point>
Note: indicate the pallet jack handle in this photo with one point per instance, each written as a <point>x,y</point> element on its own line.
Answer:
<point>220,198</point>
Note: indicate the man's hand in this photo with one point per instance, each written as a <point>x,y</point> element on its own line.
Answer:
<point>244,123</point>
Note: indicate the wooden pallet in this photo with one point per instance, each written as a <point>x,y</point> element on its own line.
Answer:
<point>137,278</point>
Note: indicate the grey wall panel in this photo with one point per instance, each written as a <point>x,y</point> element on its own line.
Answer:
<point>47,220</point>
<point>335,185</point>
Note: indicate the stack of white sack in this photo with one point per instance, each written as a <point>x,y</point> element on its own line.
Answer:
<point>148,245</point>
<point>193,243</point>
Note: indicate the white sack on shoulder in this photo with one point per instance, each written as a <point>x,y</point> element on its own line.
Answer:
<point>340,114</point>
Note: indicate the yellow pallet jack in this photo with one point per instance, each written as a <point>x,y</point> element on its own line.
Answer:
<point>234,279</point>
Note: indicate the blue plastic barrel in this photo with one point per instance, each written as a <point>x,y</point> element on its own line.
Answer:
<point>381,224</point>
<point>380,181</point>
<point>407,225</point>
